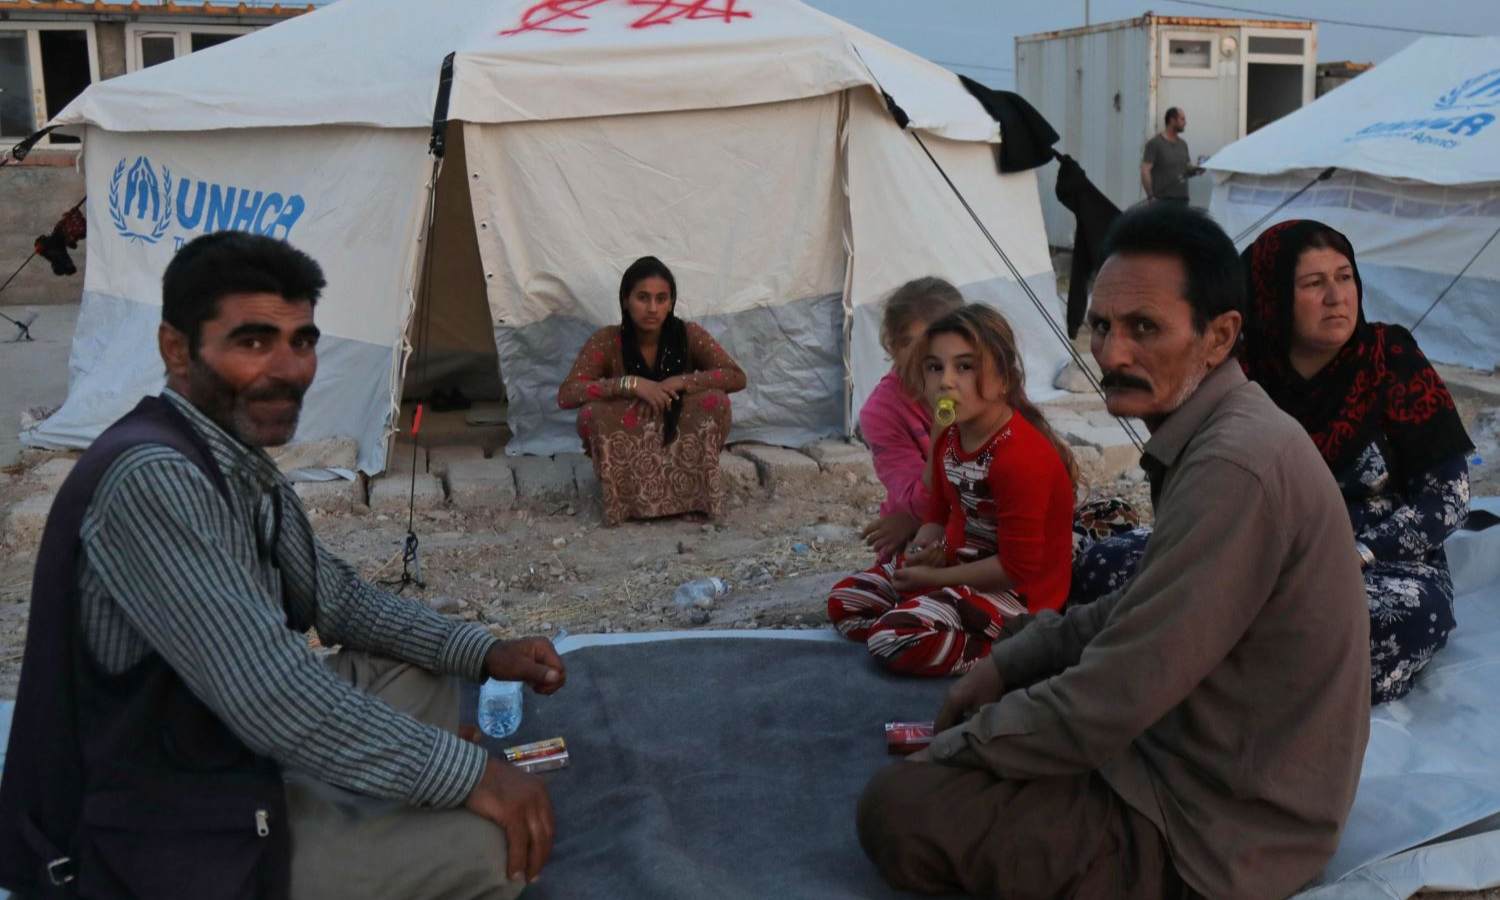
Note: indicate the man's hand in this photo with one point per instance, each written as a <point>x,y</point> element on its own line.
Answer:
<point>518,803</point>
<point>655,394</point>
<point>923,755</point>
<point>889,533</point>
<point>917,578</point>
<point>532,659</point>
<point>979,687</point>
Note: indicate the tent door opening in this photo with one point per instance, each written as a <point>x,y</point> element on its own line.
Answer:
<point>454,368</point>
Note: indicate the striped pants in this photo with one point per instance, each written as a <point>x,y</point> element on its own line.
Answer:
<point>940,631</point>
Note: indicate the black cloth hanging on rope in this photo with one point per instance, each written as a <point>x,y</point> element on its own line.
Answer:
<point>1026,137</point>
<point>1094,213</point>
<point>65,235</point>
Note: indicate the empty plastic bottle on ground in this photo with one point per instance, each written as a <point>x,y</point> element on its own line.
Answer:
<point>500,708</point>
<point>700,592</point>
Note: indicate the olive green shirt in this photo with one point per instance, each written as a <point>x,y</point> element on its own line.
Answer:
<point>1224,692</point>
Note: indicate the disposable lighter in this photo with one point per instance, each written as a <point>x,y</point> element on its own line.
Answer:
<point>902,738</point>
<point>541,756</point>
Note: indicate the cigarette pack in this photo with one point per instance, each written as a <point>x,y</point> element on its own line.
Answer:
<point>902,738</point>
<point>541,756</point>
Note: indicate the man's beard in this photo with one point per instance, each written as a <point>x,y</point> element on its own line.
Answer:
<point>230,409</point>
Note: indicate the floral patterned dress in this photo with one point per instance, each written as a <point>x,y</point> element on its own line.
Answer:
<point>1403,524</point>
<point>639,476</point>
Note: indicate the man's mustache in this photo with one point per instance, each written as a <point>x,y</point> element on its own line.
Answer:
<point>281,390</point>
<point>1118,380</point>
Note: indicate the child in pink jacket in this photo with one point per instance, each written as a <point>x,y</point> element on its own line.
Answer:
<point>897,427</point>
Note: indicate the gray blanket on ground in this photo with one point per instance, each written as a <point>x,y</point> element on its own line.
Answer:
<point>725,768</point>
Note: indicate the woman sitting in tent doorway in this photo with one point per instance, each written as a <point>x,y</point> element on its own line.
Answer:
<point>1384,423</point>
<point>653,400</point>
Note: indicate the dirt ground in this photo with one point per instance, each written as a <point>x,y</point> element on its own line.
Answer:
<point>527,572</point>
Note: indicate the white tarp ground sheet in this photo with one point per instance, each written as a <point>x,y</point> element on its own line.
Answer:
<point>1427,813</point>
<point>1416,142</point>
<point>150,193</point>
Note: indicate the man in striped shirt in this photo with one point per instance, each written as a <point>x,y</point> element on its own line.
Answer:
<point>223,584</point>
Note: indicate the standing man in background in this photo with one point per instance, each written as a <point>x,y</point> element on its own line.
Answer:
<point>1166,163</point>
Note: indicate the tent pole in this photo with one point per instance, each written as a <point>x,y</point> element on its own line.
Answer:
<point>411,560</point>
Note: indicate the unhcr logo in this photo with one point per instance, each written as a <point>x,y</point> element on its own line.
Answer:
<point>144,202</point>
<point>145,212</point>
<point>1478,92</point>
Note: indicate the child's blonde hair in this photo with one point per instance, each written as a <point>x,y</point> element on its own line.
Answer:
<point>919,300</point>
<point>992,336</point>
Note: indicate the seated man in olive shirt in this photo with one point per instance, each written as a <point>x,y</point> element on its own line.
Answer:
<point>1201,730</point>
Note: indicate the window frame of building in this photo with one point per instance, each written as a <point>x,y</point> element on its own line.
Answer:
<point>181,32</point>
<point>39,111</point>
<point>1174,71</point>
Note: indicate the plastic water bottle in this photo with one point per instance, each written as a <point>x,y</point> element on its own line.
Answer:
<point>700,592</point>
<point>500,708</point>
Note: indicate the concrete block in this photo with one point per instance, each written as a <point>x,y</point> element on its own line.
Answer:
<point>1073,380</point>
<point>440,458</point>
<point>329,453</point>
<point>25,521</point>
<point>584,477</point>
<point>391,493</point>
<point>839,457</point>
<point>739,474</point>
<point>781,470</point>
<point>1102,418</point>
<point>399,459</point>
<point>481,483</point>
<point>542,480</point>
<point>336,496</point>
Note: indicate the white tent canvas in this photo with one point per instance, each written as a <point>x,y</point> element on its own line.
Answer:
<point>1416,148</point>
<point>745,142</point>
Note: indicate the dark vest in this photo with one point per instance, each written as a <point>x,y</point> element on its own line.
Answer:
<point>127,786</point>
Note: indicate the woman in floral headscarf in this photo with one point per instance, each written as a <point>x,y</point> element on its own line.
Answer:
<point>1385,424</point>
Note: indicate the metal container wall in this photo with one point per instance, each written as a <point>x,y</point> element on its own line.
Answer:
<point>1105,89</point>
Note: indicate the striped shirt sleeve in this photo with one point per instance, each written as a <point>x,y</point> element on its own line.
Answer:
<point>161,540</point>
<point>351,612</point>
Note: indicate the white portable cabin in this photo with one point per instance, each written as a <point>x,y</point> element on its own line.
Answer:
<point>1106,89</point>
<point>1414,144</point>
<point>745,142</point>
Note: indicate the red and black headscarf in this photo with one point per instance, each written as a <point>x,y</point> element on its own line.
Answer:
<point>1378,386</point>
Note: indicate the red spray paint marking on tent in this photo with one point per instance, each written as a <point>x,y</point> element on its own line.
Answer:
<point>569,16</point>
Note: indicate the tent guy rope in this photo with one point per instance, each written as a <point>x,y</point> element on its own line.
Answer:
<point>1041,307</point>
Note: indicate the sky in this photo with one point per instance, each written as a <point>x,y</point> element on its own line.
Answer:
<point>977,37</point>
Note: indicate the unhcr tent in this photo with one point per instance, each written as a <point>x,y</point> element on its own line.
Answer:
<point>1416,188</point>
<point>746,142</point>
